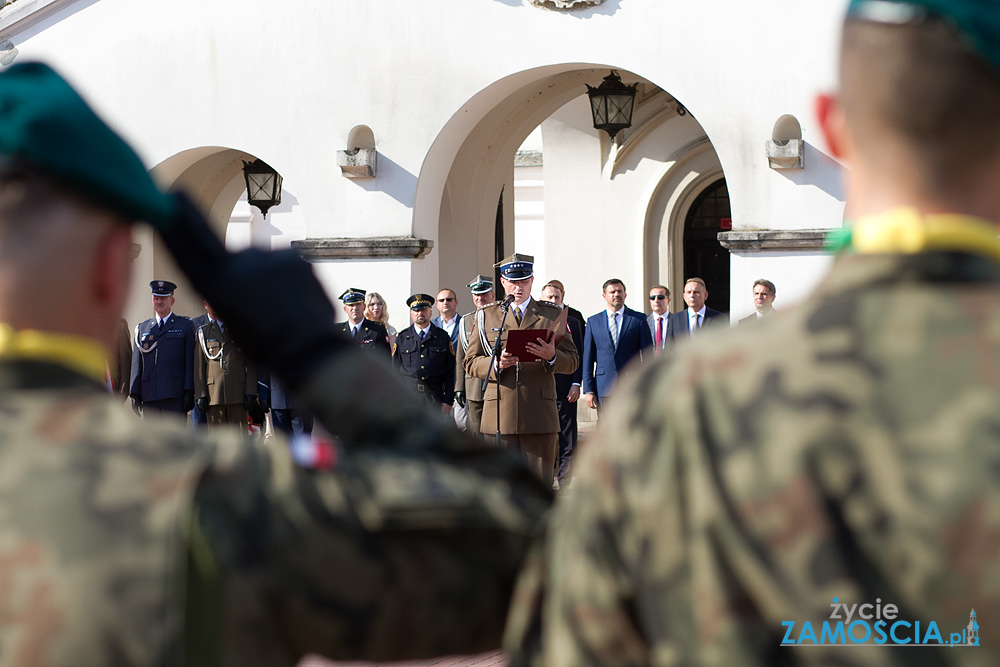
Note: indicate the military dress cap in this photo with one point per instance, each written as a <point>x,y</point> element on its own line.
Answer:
<point>48,126</point>
<point>978,21</point>
<point>352,295</point>
<point>516,267</point>
<point>481,285</point>
<point>162,287</point>
<point>420,301</point>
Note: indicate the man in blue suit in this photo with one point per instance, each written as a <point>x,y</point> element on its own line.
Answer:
<point>612,337</point>
<point>697,315</point>
<point>163,357</point>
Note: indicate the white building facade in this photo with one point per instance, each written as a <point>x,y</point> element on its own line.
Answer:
<point>396,126</point>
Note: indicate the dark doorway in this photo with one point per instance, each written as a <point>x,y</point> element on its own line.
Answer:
<point>498,252</point>
<point>704,256</point>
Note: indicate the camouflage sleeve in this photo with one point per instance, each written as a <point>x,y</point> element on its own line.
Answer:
<point>406,547</point>
<point>735,494</point>
<point>577,599</point>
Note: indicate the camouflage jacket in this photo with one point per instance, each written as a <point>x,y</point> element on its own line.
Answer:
<point>128,542</point>
<point>845,452</point>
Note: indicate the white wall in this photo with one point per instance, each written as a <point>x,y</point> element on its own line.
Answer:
<point>287,82</point>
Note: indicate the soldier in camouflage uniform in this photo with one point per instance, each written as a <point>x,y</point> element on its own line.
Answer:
<point>143,543</point>
<point>842,453</point>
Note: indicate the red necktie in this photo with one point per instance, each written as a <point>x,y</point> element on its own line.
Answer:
<point>659,334</point>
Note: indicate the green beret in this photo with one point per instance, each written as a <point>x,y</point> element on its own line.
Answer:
<point>978,21</point>
<point>45,123</point>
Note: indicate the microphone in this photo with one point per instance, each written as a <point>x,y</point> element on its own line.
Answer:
<point>505,305</point>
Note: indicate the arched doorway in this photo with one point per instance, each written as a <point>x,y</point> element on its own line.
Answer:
<point>704,256</point>
<point>597,193</point>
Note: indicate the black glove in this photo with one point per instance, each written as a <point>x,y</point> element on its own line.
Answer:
<point>298,332</point>
<point>187,402</point>
<point>136,404</point>
<point>460,398</point>
<point>203,404</point>
<point>248,401</point>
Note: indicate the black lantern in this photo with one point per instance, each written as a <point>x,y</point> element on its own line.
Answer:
<point>612,103</point>
<point>263,185</point>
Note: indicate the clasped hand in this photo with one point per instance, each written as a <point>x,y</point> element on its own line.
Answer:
<point>541,349</point>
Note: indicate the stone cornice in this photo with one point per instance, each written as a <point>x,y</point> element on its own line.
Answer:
<point>16,17</point>
<point>566,4</point>
<point>379,247</point>
<point>771,239</point>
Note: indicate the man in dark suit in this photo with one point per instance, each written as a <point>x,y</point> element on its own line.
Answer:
<point>613,337</point>
<point>367,334</point>
<point>423,355</point>
<point>567,385</point>
<point>763,301</point>
<point>697,315</point>
<point>448,317</point>
<point>162,377</point>
<point>659,319</point>
<point>287,415</point>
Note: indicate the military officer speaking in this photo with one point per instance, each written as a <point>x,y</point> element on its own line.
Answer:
<point>528,417</point>
<point>367,334</point>
<point>424,356</point>
<point>163,357</point>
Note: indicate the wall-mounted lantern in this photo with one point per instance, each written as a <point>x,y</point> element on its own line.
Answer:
<point>263,185</point>
<point>611,104</point>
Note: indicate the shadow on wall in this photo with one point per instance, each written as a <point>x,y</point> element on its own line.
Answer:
<point>821,171</point>
<point>392,179</point>
<point>266,226</point>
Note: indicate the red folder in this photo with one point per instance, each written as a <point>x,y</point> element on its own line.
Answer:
<point>518,338</point>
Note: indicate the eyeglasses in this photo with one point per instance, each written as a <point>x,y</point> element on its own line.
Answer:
<point>657,297</point>
<point>447,298</point>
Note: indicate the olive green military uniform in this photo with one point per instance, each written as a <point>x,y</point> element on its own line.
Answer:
<point>472,386</point>
<point>140,543</point>
<point>527,391</point>
<point>758,478</point>
<point>223,374</point>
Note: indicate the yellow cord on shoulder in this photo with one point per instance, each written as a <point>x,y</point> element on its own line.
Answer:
<point>84,355</point>
<point>907,231</point>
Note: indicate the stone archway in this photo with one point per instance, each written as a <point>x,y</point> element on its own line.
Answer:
<point>213,177</point>
<point>472,162</point>
<point>690,170</point>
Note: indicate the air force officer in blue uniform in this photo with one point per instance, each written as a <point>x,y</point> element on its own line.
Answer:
<point>163,357</point>
<point>612,338</point>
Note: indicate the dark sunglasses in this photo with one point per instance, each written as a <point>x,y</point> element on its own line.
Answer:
<point>448,298</point>
<point>657,297</point>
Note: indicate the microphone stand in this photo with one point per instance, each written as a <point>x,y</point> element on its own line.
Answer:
<point>495,364</point>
